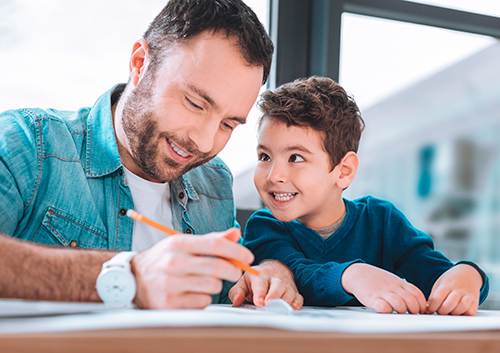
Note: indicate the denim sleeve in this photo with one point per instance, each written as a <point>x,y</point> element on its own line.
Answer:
<point>319,284</point>
<point>18,165</point>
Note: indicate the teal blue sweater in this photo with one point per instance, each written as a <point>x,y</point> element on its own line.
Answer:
<point>373,231</point>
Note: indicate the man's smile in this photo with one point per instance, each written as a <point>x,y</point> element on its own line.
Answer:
<point>178,154</point>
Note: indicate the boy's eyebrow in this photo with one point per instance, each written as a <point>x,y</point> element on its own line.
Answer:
<point>214,105</point>
<point>288,148</point>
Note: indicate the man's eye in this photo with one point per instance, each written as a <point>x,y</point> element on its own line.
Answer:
<point>193,104</point>
<point>296,158</point>
<point>227,126</point>
<point>264,157</point>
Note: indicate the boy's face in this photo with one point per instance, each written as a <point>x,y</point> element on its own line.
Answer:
<point>293,175</point>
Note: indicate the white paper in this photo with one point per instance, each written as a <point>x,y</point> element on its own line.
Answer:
<point>25,308</point>
<point>343,319</point>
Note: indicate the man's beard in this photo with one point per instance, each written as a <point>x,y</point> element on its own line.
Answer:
<point>140,127</point>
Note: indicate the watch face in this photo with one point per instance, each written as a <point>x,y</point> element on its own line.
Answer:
<point>116,287</point>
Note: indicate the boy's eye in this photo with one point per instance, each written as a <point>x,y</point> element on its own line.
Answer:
<point>196,106</point>
<point>296,158</point>
<point>264,157</point>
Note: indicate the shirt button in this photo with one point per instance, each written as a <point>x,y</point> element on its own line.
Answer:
<point>120,172</point>
<point>73,244</point>
<point>123,211</point>
<point>181,195</point>
<point>189,231</point>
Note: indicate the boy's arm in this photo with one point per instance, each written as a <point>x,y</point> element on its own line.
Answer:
<point>332,284</point>
<point>457,291</point>
<point>382,291</point>
<point>320,284</point>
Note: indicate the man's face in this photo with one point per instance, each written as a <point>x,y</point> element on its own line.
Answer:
<point>183,115</point>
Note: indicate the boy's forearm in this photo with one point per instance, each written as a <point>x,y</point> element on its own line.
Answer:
<point>472,273</point>
<point>39,272</point>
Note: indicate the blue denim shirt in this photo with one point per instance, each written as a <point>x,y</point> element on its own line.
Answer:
<point>62,182</point>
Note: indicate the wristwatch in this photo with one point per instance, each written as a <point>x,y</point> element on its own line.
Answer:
<point>116,284</point>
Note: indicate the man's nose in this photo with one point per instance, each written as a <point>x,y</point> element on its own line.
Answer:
<point>204,134</point>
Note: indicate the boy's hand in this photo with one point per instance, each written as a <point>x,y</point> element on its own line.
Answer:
<point>456,292</point>
<point>254,289</point>
<point>382,291</point>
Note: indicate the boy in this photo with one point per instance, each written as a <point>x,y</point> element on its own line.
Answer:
<point>342,252</point>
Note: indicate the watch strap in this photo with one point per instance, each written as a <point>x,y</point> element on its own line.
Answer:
<point>122,259</point>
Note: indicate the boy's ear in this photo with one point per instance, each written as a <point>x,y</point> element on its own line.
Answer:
<point>347,169</point>
<point>139,61</point>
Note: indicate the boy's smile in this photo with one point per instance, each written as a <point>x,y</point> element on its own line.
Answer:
<point>294,176</point>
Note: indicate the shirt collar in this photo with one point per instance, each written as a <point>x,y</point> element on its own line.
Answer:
<point>102,150</point>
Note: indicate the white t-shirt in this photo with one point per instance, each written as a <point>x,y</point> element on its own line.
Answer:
<point>152,200</point>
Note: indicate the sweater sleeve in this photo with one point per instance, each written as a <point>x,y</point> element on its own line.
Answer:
<point>319,284</point>
<point>414,257</point>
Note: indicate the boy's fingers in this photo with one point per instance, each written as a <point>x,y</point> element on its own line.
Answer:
<point>238,292</point>
<point>298,301</point>
<point>418,296</point>
<point>472,309</point>
<point>449,303</point>
<point>276,289</point>
<point>436,299</point>
<point>412,304</point>
<point>259,288</point>
<point>381,306</point>
<point>463,305</point>
<point>396,302</point>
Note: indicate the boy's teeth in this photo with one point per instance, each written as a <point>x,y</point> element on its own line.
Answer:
<point>179,152</point>
<point>284,196</point>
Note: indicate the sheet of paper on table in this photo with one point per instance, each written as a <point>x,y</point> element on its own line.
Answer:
<point>69,317</point>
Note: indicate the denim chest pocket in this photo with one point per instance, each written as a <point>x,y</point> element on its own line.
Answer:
<point>68,230</point>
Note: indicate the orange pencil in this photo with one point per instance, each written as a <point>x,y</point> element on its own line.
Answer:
<point>140,218</point>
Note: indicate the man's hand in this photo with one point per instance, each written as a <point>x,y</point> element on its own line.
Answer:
<point>456,292</point>
<point>382,291</point>
<point>176,273</point>
<point>281,284</point>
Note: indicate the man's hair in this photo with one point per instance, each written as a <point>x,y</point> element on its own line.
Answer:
<point>319,103</point>
<point>182,19</point>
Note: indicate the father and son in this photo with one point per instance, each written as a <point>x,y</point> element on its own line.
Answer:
<point>68,178</point>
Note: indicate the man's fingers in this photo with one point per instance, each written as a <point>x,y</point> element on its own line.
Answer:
<point>213,244</point>
<point>232,234</point>
<point>202,265</point>
<point>188,301</point>
<point>193,283</point>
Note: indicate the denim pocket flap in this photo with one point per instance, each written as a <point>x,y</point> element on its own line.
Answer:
<point>74,232</point>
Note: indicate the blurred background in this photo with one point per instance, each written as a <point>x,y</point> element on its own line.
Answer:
<point>425,75</point>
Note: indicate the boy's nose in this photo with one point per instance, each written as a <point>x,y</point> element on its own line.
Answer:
<point>277,174</point>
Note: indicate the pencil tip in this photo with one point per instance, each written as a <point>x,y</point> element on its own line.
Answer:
<point>129,213</point>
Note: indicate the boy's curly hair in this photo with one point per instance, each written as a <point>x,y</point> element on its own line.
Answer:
<point>319,103</point>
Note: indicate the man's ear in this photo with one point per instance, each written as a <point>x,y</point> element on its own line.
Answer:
<point>347,169</point>
<point>139,61</point>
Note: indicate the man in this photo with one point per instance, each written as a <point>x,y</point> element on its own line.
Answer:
<point>68,178</point>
